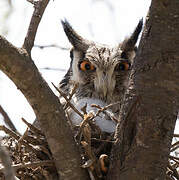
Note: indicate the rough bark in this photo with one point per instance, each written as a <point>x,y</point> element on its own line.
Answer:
<point>148,116</point>
<point>18,66</point>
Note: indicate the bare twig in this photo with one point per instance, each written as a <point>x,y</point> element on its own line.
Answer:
<point>91,174</point>
<point>31,165</point>
<point>174,148</point>
<point>175,173</point>
<point>103,140</point>
<point>33,128</point>
<point>7,120</point>
<point>102,145</point>
<point>70,104</point>
<point>8,131</point>
<point>6,161</point>
<point>71,95</point>
<point>175,160</point>
<point>173,157</point>
<point>35,20</point>
<point>32,2</point>
<point>175,144</point>
<point>52,46</point>
<point>92,156</point>
<point>176,135</point>
<point>17,137</point>
<point>53,69</point>
<point>103,109</point>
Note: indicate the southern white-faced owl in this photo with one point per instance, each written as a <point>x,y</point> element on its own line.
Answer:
<point>101,73</point>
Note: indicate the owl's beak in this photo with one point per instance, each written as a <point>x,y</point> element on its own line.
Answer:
<point>104,84</point>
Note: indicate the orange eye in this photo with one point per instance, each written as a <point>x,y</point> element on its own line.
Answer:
<point>123,66</point>
<point>86,66</point>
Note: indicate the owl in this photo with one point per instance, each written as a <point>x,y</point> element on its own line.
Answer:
<point>101,73</point>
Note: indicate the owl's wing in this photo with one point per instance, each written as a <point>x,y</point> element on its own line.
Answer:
<point>64,84</point>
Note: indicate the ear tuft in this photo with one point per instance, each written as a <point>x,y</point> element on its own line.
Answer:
<point>128,45</point>
<point>76,40</point>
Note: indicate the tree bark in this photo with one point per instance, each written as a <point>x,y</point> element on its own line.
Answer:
<point>149,113</point>
<point>18,66</point>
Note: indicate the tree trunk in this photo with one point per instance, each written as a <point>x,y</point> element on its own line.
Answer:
<point>149,113</point>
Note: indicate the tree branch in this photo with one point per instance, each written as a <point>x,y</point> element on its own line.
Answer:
<point>19,67</point>
<point>7,120</point>
<point>39,6</point>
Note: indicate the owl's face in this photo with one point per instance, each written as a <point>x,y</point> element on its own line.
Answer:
<point>100,71</point>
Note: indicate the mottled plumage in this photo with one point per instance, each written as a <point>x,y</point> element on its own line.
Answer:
<point>100,71</point>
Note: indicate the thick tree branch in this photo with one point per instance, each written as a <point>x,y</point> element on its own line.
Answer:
<point>39,6</point>
<point>19,67</point>
<point>143,140</point>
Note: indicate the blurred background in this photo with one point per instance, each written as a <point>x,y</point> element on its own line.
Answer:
<point>104,21</point>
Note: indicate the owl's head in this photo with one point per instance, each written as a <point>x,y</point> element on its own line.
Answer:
<point>100,69</point>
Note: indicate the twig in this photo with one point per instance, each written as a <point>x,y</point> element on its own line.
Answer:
<point>92,156</point>
<point>173,157</point>
<point>102,140</point>
<point>103,109</point>
<point>52,69</point>
<point>17,137</point>
<point>70,104</point>
<point>52,46</point>
<point>176,135</point>
<point>175,160</point>
<point>34,23</point>
<point>33,128</point>
<point>91,174</point>
<point>22,137</point>
<point>31,165</point>
<point>175,173</point>
<point>71,95</point>
<point>6,161</point>
<point>8,131</point>
<point>7,120</point>
<point>102,145</point>
<point>175,144</point>
<point>174,148</point>
<point>32,2</point>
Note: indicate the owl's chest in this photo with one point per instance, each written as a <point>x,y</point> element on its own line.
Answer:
<point>104,120</point>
